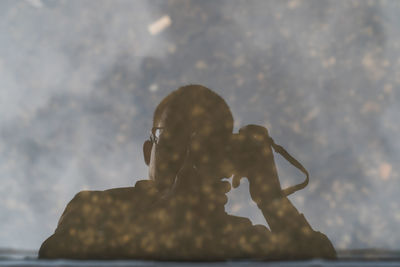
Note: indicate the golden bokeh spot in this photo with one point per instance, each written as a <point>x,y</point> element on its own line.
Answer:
<point>197,110</point>
<point>188,216</point>
<point>86,208</point>
<point>199,241</point>
<point>195,145</point>
<point>95,198</point>
<point>72,232</point>
<point>175,156</point>
<point>205,159</point>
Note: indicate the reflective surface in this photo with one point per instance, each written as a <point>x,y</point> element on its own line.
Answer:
<point>81,80</point>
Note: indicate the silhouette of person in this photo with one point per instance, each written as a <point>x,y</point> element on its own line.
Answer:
<point>178,214</point>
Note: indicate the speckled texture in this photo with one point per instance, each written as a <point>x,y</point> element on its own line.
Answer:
<point>80,79</point>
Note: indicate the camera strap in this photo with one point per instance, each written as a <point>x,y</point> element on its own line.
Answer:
<point>290,190</point>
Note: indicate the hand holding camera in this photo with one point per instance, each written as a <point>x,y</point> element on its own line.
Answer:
<point>252,157</point>
<point>250,152</point>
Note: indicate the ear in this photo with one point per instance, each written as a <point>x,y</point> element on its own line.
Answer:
<point>147,146</point>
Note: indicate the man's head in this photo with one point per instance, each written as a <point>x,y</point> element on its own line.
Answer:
<point>192,118</point>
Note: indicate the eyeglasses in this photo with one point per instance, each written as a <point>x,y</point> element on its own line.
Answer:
<point>155,134</point>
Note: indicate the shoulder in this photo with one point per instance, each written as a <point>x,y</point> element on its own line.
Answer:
<point>142,187</point>
<point>83,198</point>
<point>92,202</point>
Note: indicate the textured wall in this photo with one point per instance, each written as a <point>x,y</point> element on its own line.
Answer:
<point>79,81</point>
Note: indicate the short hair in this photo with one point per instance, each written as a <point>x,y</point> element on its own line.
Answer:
<point>199,108</point>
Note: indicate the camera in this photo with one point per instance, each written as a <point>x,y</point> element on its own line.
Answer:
<point>251,151</point>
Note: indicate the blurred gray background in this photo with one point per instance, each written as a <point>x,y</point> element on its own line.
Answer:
<point>79,81</point>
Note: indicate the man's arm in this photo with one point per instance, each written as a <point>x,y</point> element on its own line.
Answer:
<point>293,234</point>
